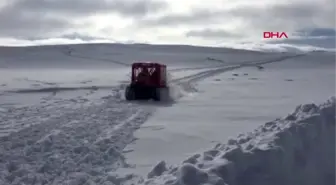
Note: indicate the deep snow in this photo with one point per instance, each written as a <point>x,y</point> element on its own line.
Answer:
<point>298,149</point>
<point>63,118</point>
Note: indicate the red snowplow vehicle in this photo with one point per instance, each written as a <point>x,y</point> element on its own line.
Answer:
<point>148,81</point>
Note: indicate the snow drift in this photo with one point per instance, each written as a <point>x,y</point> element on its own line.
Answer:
<point>297,149</point>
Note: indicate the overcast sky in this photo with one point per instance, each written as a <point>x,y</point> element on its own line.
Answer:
<point>196,22</point>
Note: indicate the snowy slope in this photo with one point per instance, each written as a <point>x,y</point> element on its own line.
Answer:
<point>63,118</point>
<point>107,55</point>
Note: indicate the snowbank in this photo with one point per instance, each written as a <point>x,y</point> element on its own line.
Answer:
<point>298,149</point>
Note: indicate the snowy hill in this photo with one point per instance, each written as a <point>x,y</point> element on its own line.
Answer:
<point>104,55</point>
<point>64,120</point>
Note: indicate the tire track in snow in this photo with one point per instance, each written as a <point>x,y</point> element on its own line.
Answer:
<point>72,147</point>
<point>58,89</point>
<point>186,81</point>
<point>71,52</point>
<point>95,58</point>
<point>13,119</point>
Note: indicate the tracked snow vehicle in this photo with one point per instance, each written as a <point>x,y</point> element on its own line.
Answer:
<point>148,81</point>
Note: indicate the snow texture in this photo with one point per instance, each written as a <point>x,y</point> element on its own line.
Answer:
<point>298,149</point>
<point>77,148</point>
<point>75,132</point>
<point>75,140</point>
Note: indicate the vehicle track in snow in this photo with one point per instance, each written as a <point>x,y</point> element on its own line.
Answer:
<point>39,114</point>
<point>43,112</point>
<point>208,73</point>
<point>75,54</point>
<point>80,145</point>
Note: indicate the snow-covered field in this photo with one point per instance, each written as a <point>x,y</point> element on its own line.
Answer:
<point>226,105</point>
<point>64,120</point>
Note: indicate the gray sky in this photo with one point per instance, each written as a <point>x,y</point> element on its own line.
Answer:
<point>195,22</point>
